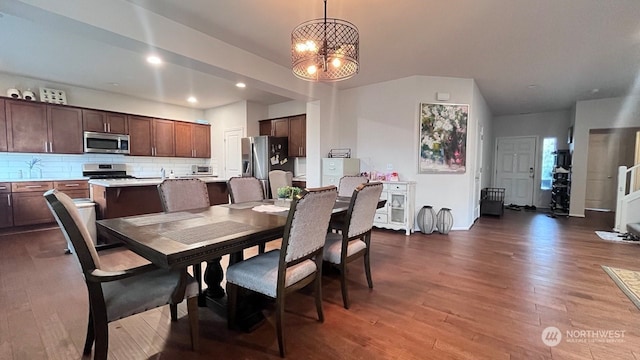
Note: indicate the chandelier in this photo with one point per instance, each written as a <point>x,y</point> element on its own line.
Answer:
<point>325,49</point>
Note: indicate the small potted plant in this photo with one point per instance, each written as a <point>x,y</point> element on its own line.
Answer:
<point>286,194</point>
<point>35,170</point>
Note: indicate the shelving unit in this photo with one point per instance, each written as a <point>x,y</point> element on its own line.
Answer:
<point>561,186</point>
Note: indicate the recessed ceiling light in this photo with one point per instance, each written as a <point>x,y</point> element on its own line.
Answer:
<point>192,99</point>
<point>114,84</point>
<point>595,91</point>
<point>532,86</point>
<point>241,85</point>
<point>155,60</point>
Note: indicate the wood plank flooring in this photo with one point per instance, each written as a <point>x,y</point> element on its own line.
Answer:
<point>486,293</point>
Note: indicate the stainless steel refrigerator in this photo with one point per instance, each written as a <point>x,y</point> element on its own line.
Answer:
<point>261,154</point>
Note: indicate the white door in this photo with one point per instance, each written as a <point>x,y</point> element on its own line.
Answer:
<point>602,171</point>
<point>515,163</point>
<point>232,152</point>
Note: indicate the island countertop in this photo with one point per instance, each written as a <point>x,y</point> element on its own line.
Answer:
<point>111,183</point>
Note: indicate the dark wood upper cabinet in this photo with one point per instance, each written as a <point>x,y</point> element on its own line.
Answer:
<point>163,138</point>
<point>184,146</point>
<point>104,121</point>
<point>265,127</point>
<point>64,129</point>
<point>3,127</point>
<point>280,127</point>
<point>140,135</point>
<point>192,140</point>
<point>298,136</point>
<point>26,126</point>
<point>201,135</point>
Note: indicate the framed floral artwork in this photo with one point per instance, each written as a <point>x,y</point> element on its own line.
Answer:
<point>443,138</point>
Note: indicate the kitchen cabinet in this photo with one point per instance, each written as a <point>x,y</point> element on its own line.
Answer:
<point>104,121</point>
<point>3,127</point>
<point>192,140</point>
<point>298,136</point>
<point>399,211</point>
<point>299,183</point>
<point>151,137</point>
<point>293,127</point>
<point>41,128</point>
<point>28,206</point>
<point>335,168</point>
<point>6,208</point>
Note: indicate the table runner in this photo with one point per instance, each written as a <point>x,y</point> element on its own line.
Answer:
<point>207,232</point>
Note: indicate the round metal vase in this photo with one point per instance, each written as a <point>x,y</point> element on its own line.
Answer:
<point>427,219</point>
<point>444,221</point>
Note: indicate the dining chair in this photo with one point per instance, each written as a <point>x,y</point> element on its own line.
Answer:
<point>118,294</point>
<point>278,179</point>
<point>354,239</point>
<point>348,183</point>
<point>298,262</point>
<point>244,189</point>
<point>184,194</point>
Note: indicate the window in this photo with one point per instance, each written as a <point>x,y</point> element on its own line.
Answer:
<point>548,162</point>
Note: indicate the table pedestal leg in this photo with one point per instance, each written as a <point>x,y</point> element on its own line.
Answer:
<point>249,315</point>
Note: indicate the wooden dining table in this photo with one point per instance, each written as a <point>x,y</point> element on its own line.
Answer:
<point>179,239</point>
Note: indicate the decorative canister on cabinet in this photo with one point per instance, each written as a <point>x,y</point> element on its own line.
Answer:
<point>427,219</point>
<point>444,221</point>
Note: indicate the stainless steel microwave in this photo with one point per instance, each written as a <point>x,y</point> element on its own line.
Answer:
<point>95,142</point>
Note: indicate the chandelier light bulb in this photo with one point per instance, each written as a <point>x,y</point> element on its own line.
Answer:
<point>336,62</point>
<point>312,69</point>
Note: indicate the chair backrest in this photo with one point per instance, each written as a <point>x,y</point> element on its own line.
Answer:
<point>349,183</point>
<point>183,194</point>
<point>362,209</point>
<point>278,179</point>
<point>74,229</point>
<point>307,223</point>
<point>243,189</point>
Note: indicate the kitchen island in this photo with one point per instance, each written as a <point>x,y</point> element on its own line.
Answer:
<point>128,197</point>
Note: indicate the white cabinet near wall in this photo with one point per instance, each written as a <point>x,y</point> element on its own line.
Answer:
<point>399,211</point>
<point>335,168</point>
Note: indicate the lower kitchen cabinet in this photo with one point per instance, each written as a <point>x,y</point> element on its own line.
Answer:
<point>399,211</point>
<point>6,209</point>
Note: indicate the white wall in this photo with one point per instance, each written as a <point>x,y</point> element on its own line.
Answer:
<point>539,125</point>
<point>481,118</point>
<point>288,108</point>
<point>387,135</point>
<point>95,99</point>
<point>232,116</point>
<point>596,114</point>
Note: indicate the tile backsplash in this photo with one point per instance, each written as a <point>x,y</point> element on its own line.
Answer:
<point>14,166</point>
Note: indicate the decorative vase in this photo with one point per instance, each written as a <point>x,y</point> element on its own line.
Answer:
<point>444,221</point>
<point>427,219</point>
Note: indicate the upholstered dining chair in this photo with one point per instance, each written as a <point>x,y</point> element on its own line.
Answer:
<point>354,239</point>
<point>348,183</point>
<point>298,262</point>
<point>278,179</point>
<point>244,189</point>
<point>183,194</point>
<point>118,294</point>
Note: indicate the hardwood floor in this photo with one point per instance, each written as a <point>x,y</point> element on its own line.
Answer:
<point>486,293</point>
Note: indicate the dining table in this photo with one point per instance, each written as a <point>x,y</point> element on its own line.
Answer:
<point>179,239</point>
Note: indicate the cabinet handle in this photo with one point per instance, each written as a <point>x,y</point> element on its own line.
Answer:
<point>108,127</point>
<point>104,127</point>
<point>33,186</point>
<point>50,146</point>
<point>9,199</point>
<point>71,185</point>
<point>3,188</point>
<point>45,147</point>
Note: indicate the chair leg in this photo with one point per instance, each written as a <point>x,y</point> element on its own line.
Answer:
<point>194,325</point>
<point>367,269</point>
<point>101,329</point>
<point>232,303</point>
<point>174,311</point>
<point>318,292</point>
<point>279,324</point>
<point>261,248</point>
<point>343,285</point>
<point>88,343</point>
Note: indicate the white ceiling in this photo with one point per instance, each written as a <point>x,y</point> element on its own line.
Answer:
<point>526,56</point>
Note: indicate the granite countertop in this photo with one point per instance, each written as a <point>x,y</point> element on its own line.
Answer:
<point>147,181</point>
<point>45,179</point>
